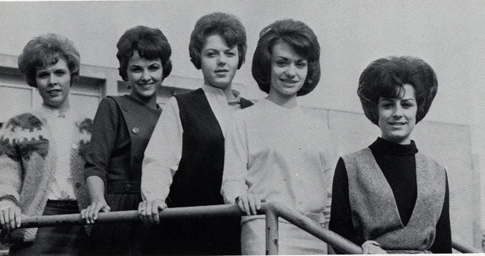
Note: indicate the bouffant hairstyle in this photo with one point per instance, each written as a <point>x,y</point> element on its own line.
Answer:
<point>46,50</point>
<point>150,43</point>
<point>301,38</point>
<point>386,78</point>
<point>227,26</point>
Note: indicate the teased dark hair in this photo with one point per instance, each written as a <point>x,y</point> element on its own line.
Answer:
<point>301,38</point>
<point>150,43</point>
<point>225,25</point>
<point>386,78</point>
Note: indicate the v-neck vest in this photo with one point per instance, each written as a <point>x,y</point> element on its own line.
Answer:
<point>199,176</point>
<point>375,215</point>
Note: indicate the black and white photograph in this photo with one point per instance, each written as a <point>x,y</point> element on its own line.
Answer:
<point>242,127</point>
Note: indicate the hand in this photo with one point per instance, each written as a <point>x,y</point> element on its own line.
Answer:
<point>250,204</point>
<point>148,211</point>
<point>10,218</point>
<point>372,247</point>
<point>90,214</point>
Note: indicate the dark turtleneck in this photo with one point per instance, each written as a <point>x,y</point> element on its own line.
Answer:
<point>398,164</point>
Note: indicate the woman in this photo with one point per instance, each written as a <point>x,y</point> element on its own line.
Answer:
<point>188,144</point>
<point>122,127</point>
<point>274,150</point>
<point>41,153</point>
<point>389,197</point>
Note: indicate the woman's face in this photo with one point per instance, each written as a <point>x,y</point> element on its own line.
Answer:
<point>397,116</point>
<point>218,62</point>
<point>144,76</point>
<point>288,70</point>
<point>54,84</point>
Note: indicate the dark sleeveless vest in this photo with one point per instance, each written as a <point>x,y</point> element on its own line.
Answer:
<point>140,124</point>
<point>198,182</point>
<point>199,176</point>
<point>375,215</point>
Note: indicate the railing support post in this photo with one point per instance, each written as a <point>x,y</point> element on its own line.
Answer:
<point>271,232</point>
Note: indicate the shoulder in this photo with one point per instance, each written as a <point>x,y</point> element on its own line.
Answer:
<point>431,163</point>
<point>357,155</point>
<point>190,95</point>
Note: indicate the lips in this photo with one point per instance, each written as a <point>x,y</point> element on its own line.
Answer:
<point>145,86</point>
<point>397,124</point>
<point>54,92</point>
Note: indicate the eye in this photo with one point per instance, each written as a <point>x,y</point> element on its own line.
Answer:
<point>230,53</point>
<point>281,62</point>
<point>154,67</point>
<point>135,69</point>
<point>386,104</point>
<point>407,104</point>
<point>42,74</point>
<point>60,72</point>
<point>302,64</point>
<point>210,54</point>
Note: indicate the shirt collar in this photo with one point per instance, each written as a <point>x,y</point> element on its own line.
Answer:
<point>208,89</point>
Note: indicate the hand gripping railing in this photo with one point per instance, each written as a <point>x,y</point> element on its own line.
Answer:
<point>271,210</point>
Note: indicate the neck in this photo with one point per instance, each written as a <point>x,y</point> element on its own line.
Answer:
<point>284,101</point>
<point>150,102</point>
<point>63,108</point>
<point>226,90</point>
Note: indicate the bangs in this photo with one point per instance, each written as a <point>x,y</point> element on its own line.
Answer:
<point>392,87</point>
<point>302,46</point>
<point>148,50</point>
<point>46,58</point>
<point>230,36</point>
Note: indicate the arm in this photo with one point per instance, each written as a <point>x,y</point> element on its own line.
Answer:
<point>162,157</point>
<point>442,242</point>
<point>234,189</point>
<point>341,218</point>
<point>103,140</point>
<point>98,202</point>
<point>10,179</point>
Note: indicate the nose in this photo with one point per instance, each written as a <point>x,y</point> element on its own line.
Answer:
<point>146,76</point>
<point>291,71</point>
<point>52,79</point>
<point>397,111</point>
<point>221,61</point>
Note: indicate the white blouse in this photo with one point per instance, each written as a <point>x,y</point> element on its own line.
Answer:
<point>283,155</point>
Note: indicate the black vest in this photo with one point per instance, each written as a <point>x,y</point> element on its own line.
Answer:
<point>199,176</point>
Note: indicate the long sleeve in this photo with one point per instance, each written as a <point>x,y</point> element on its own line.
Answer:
<point>442,242</point>
<point>341,218</point>
<point>103,140</point>
<point>235,162</point>
<point>10,168</point>
<point>163,154</point>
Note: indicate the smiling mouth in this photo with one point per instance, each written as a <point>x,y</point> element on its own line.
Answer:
<point>289,82</point>
<point>145,85</point>
<point>397,123</point>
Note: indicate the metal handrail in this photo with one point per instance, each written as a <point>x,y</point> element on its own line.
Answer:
<point>272,211</point>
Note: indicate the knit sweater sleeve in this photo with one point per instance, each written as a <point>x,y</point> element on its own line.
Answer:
<point>19,138</point>
<point>341,216</point>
